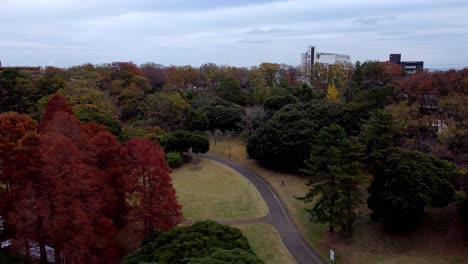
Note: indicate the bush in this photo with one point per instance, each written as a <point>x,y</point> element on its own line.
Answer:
<point>174,159</point>
<point>182,244</point>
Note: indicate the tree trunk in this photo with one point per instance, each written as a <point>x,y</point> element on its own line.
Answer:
<point>27,250</point>
<point>58,258</point>
<point>331,228</point>
<point>43,253</point>
<point>348,220</point>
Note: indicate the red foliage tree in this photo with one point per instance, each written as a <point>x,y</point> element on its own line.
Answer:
<point>155,202</point>
<point>121,68</point>
<point>74,186</point>
<point>18,143</point>
<point>18,139</point>
<point>392,70</point>
<point>57,103</point>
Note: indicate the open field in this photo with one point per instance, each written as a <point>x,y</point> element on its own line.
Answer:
<point>209,190</point>
<point>441,239</point>
<point>267,243</point>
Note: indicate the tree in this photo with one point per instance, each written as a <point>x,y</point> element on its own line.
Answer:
<point>284,141</point>
<point>379,74</point>
<point>224,116</point>
<point>275,103</point>
<point>18,92</point>
<point>181,141</point>
<point>181,78</point>
<point>185,243</point>
<point>77,187</point>
<point>196,120</point>
<point>151,187</point>
<point>334,166</point>
<point>379,134</point>
<point>112,125</point>
<point>229,89</point>
<point>408,182</point>
<point>155,74</point>
<point>52,80</point>
<point>259,89</point>
<point>332,93</point>
<point>165,109</point>
<point>128,86</point>
<point>19,139</point>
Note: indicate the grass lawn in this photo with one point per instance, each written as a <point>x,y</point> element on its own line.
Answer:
<point>439,240</point>
<point>267,243</point>
<point>209,190</point>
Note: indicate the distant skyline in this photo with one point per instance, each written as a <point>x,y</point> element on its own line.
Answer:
<point>64,33</point>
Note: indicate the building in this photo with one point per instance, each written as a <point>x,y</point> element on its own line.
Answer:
<point>23,69</point>
<point>311,57</point>
<point>410,67</point>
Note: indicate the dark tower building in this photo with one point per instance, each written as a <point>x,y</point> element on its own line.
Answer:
<point>395,58</point>
<point>410,67</point>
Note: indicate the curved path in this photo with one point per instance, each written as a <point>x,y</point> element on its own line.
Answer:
<point>292,239</point>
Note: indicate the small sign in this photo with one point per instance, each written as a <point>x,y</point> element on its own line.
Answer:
<point>332,255</point>
<point>308,216</point>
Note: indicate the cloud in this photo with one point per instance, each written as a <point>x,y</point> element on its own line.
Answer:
<point>374,20</point>
<point>268,31</point>
<point>240,32</point>
<point>252,41</point>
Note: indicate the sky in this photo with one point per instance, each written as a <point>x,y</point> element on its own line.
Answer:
<point>64,33</point>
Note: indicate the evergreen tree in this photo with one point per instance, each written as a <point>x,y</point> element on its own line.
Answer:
<point>335,168</point>
<point>379,134</point>
<point>407,182</point>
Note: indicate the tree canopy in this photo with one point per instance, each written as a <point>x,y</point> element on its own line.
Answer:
<point>284,141</point>
<point>408,182</point>
<point>200,241</point>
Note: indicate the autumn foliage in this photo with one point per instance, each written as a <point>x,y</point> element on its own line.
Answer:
<point>73,187</point>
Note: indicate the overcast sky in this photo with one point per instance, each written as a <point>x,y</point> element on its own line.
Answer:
<point>235,32</point>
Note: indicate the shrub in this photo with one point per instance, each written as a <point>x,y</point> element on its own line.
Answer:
<point>174,159</point>
<point>182,244</point>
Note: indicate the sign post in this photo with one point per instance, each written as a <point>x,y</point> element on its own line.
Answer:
<point>332,255</point>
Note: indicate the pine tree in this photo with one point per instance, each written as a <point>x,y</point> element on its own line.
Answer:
<point>335,168</point>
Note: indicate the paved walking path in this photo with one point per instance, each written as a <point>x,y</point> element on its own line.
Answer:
<point>280,219</point>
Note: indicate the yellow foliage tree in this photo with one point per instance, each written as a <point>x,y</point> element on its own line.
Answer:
<point>333,94</point>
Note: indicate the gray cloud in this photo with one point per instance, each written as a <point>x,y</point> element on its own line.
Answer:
<point>268,31</point>
<point>244,33</point>
<point>374,20</point>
